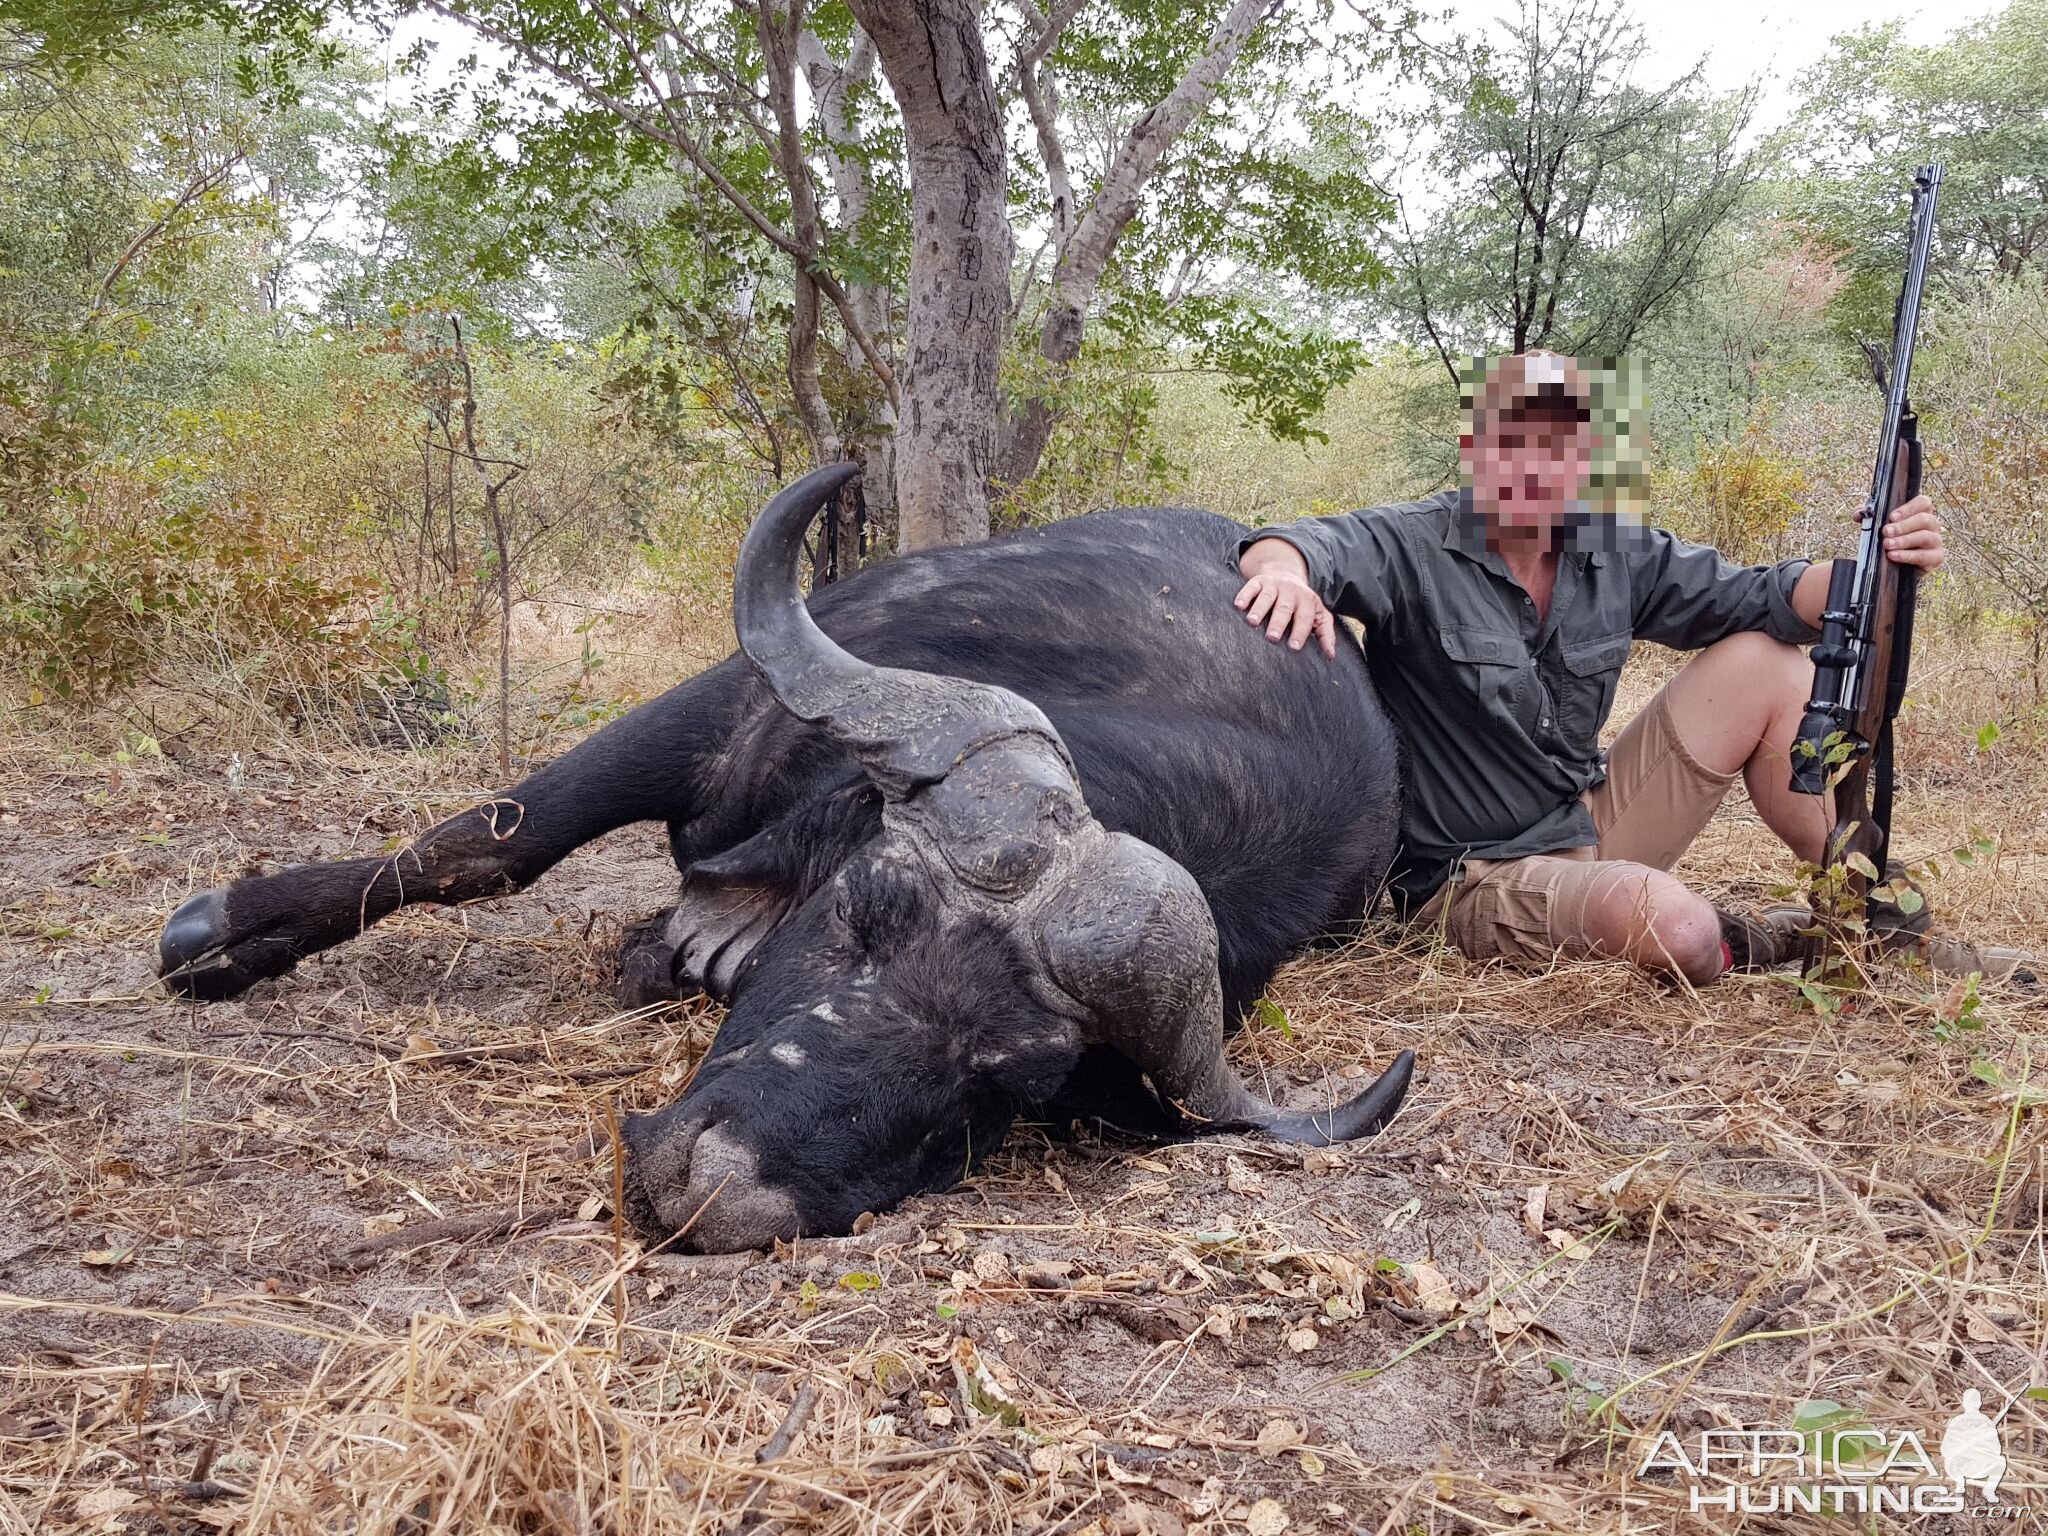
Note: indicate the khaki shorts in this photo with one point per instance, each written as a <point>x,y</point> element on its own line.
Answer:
<point>1655,801</point>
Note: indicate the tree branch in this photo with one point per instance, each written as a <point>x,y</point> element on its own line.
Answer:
<point>1042,100</point>
<point>672,133</point>
<point>192,191</point>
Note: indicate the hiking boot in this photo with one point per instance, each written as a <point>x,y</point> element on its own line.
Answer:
<point>1891,927</point>
<point>1763,943</point>
<point>1911,933</point>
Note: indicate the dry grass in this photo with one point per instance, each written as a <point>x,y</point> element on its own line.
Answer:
<point>340,1256</point>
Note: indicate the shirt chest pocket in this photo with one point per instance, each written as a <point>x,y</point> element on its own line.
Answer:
<point>1592,670</point>
<point>1494,669</point>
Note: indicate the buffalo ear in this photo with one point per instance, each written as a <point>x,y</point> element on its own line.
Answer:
<point>733,900</point>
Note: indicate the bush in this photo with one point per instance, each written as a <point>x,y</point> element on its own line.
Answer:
<point>90,598</point>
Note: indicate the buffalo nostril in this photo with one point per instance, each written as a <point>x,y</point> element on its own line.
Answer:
<point>726,1204</point>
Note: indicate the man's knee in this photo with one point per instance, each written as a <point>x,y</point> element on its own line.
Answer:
<point>1684,936</point>
<point>1656,921</point>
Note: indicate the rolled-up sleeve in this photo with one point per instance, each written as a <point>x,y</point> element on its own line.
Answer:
<point>1689,595</point>
<point>1350,557</point>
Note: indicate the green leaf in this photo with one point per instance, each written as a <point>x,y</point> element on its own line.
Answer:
<point>1272,1016</point>
<point>1860,862</point>
<point>860,1280</point>
<point>1910,901</point>
<point>1988,734</point>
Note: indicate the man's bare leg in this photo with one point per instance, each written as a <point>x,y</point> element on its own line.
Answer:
<point>1737,707</point>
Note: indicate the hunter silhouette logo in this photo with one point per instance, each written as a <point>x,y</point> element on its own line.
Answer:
<point>1971,1451</point>
<point>1832,1461</point>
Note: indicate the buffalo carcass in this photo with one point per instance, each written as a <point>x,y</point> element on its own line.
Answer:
<point>1036,819</point>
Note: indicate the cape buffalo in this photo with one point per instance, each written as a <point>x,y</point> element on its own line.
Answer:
<point>1002,830</point>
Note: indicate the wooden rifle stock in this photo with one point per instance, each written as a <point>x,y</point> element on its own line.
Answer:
<point>1863,796</point>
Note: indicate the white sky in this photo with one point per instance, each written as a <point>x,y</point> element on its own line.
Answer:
<point>1739,38</point>
<point>1742,38</point>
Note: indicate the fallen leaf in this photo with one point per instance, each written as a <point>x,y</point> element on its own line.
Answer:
<point>1532,1209</point>
<point>1572,1247</point>
<point>591,1207</point>
<point>1400,1216</point>
<point>1208,1499</point>
<point>1432,1289</point>
<point>1302,1340</point>
<point>1266,1518</point>
<point>1119,1473</point>
<point>982,1384</point>
<point>378,1226</point>
<point>1278,1435</point>
<point>108,1258</point>
<point>1311,1465</point>
<point>418,1047</point>
<point>1504,1319</point>
<point>991,1268</point>
<point>1240,1179</point>
<point>104,1501</point>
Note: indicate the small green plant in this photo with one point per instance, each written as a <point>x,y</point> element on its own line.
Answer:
<point>1272,1016</point>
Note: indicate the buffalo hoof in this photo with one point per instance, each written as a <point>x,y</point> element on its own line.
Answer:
<point>647,965</point>
<point>200,957</point>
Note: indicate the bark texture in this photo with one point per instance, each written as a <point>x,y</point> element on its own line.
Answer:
<point>932,53</point>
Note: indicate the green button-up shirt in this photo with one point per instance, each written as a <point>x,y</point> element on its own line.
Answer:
<point>1499,711</point>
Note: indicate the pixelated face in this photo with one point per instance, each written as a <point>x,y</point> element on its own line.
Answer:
<point>1526,470</point>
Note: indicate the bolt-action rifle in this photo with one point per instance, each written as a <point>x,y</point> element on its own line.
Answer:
<point>1866,634</point>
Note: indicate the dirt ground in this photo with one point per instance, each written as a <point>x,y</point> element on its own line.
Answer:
<point>340,1256</point>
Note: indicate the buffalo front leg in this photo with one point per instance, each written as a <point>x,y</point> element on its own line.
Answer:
<point>222,942</point>
<point>645,767</point>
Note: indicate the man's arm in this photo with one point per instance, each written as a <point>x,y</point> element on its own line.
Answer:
<point>1912,536</point>
<point>1299,575</point>
<point>1688,596</point>
<point>1276,591</point>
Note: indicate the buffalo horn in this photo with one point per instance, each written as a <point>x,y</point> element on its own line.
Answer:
<point>905,728</point>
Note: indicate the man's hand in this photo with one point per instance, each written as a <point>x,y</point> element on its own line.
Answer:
<point>1912,536</point>
<point>1276,593</point>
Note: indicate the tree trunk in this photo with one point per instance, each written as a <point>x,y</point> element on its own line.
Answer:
<point>931,50</point>
<point>779,24</point>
